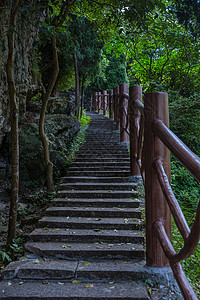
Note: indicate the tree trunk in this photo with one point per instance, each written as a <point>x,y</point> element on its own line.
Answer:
<point>43,138</point>
<point>14,127</point>
<point>77,86</point>
<point>82,95</point>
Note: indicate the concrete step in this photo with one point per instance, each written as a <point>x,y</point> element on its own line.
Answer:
<point>127,186</point>
<point>97,194</point>
<point>39,290</point>
<point>85,270</point>
<point>86,235</point>
<point>77,251</point>
<point>92,212</point>
<point>90,223</point>
<point>96,179</point>
<point>96,202</point>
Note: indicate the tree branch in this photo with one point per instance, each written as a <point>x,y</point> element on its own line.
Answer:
<point>49,65</point>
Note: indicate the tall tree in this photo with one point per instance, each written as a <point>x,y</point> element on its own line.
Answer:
<point>14,122</point>
<point>55,16</point>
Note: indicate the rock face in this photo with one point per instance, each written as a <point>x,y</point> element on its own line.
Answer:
<point>60,125</point>
<point>26,29</point>
<point>60,128</point>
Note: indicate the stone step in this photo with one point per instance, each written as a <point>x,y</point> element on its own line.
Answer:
<point>92,212</point>
<point>76,251</point>
<point>99,173</point>
<point>90,223</point>
<point>103,144</point>
<point>97,194</point>
<point>107,151</point>
<point>85,270</point>
<point>127,186</point>
<point>96,202</point>
<point>109,159</point>
<point>103,155</point>
<point>99,164</point>
<point>39,290</point>
<point>99,168</point>
<point>86,235</point>
<point>88,179</point>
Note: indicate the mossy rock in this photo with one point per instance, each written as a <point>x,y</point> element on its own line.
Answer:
<point>60,130</point>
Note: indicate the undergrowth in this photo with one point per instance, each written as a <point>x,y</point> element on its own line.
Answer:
<point>187,192</point>
<point>79,139</point>
<point>39,199</point>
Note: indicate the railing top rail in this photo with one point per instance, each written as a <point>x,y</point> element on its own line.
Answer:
<point>189,159</point>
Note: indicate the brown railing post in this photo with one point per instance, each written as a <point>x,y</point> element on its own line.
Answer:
<point>105,100</point>
<point>99,102</point>
<point>155,106</point>
<point>114,102</point>
<point>96,101</point>
<point>117,109</point>
<point>123,111</point>
<point>111,105</point>
<point>135,92</point>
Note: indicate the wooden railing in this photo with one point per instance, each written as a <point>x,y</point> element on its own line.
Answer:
<point>146,127</point>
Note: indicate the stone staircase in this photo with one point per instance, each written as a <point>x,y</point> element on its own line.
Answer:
<point>89,243</point>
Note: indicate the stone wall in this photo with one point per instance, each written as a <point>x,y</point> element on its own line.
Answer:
<point>26,30</point>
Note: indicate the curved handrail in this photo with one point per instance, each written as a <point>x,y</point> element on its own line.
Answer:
<point>190,160</point>
<point>171,200</point>
<point>169,251</point>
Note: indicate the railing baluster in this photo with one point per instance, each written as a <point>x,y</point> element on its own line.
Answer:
<point>155,106</point>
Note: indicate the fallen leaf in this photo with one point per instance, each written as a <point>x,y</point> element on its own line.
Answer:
<point>76,281</point>
<point>61,283</point>
<point>56,229</point>
<point>46,228</point>
<point>98,219</point>
<point>9,283</point>
<point>66,246</point>
<point>133,248</point>
<point>86,263</point>
<point>97,230</point>
<point>21,282</point>
<point>36,261</point>
<point>89,285</point>
<point>45,282</point>
<point>112,287</point>
<point>150,291</point>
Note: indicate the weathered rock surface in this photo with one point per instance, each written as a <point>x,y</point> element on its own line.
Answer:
<point>26,29</point>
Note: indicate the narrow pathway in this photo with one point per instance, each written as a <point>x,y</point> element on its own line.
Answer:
<point>88,245</point>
